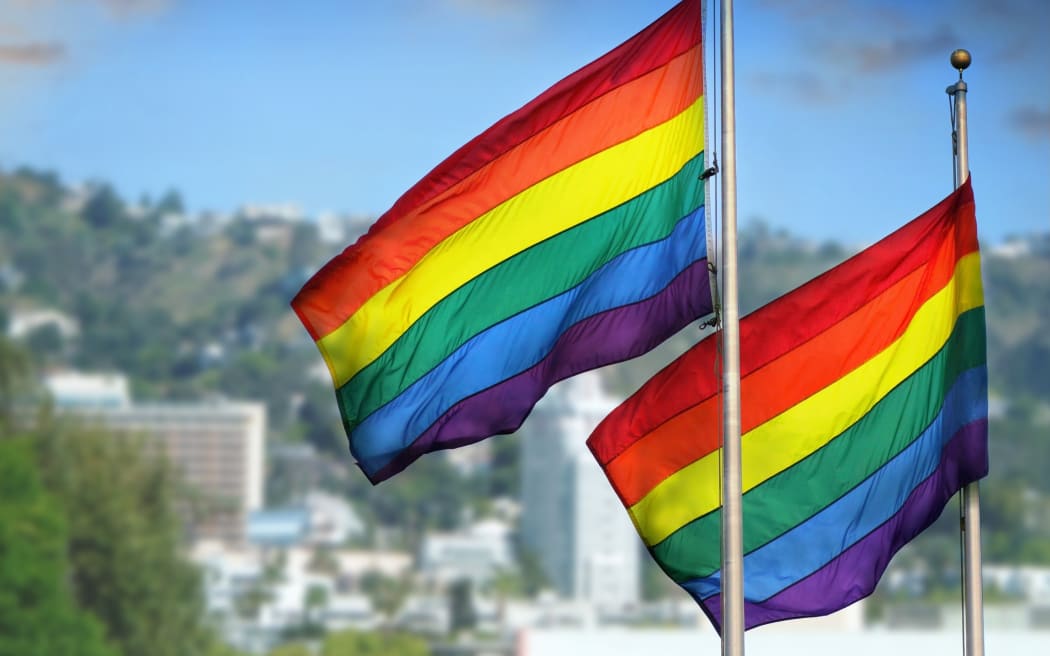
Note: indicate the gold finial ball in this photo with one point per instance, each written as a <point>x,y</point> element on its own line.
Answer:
<point>961,59</point>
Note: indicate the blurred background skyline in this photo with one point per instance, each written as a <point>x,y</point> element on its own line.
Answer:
<point>843,126</point>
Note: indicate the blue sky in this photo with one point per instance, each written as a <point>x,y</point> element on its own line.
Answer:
<point>842,118</point>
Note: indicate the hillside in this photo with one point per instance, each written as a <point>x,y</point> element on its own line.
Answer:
<point>191,307</point>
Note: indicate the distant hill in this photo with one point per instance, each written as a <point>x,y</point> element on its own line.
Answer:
<point>192,306</point>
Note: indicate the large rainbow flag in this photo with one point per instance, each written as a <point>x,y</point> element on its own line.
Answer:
<point>864,409</point>
<point>568,236</point>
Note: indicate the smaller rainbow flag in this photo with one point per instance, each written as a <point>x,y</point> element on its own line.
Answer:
<point>568,236</point>
<point>864,409</point>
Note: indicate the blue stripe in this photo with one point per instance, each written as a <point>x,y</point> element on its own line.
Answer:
<point>817,541</point>
<point>516,344</point>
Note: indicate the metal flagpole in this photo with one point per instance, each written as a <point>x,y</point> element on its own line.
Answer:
<point>970,507</point>
<point>732,502</point>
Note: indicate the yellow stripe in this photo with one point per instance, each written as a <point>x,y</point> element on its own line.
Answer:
<point>794,434</point>
<point>573,195</point>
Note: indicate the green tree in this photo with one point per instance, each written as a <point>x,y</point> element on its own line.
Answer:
<point>505,584</point>
<point>248,602</point>
<point>46,343</point>
<point>125,541</point>
<point>362,643</point>
<point>533,577</point>
<point>291,649</point>
<point>502,478</point>
<point>104,209</point>
<point>218,648</point>
<point>431,494</point>
<point>323,561</point>
<point>318,422</point>
<point>655,583</point>
<point>171,201</point>
<point>14,374</point>
<point>304,251</point>
<point>315,602</point>
<point>386,593</point>
<point>47,186</point>
<point>241,231</point>
<point>38,616</point>
<point>461,602</point>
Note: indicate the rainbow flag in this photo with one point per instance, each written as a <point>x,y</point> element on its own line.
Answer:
<point>569,235</point>
<point>864,409</point>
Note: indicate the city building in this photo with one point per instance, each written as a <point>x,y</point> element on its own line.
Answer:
<point>571,519</point>
<point>333,521</point>
<point>219,450</point>
<point>216,447</point>
<point>71,390</point>
<point>1024,582</point>
<point>23,322</point>
<point>342,229</point>
<point>321,519</point>
<point>278,527</point>
<point>479,554</point>
<point>255,595</point>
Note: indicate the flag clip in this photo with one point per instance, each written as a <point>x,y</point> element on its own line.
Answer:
<point>711,170</point>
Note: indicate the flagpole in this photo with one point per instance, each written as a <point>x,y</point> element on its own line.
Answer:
<point>732,502</point>
<point>970,508</point>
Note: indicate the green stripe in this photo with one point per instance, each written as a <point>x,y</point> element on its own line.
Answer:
<point>527,279</point>
<point>804,489</point>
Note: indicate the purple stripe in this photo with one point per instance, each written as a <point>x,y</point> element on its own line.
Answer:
<point>612,336</point>
<point>855,572</point>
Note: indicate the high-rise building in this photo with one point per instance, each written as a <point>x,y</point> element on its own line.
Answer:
<point>217,448</point>
<point>571,519</point>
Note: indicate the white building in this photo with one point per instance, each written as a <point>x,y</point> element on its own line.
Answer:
<point>289,212</point>
<point>320,520</point>
<point>1025,582</point>
<point>73,390</point>
<point>571,518</point>
<point>479,554</point>
<point>228,574</point>
<point>333,521</point>
<point>254,595</point>
<point>342,229</point>
<point>218,448</point>
<point>21,323</point>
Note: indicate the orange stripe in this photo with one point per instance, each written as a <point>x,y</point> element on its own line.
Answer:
<point>796,375</point>
<point>364,269</point>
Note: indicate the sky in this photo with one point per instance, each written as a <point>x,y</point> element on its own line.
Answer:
<point>843,128</point>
